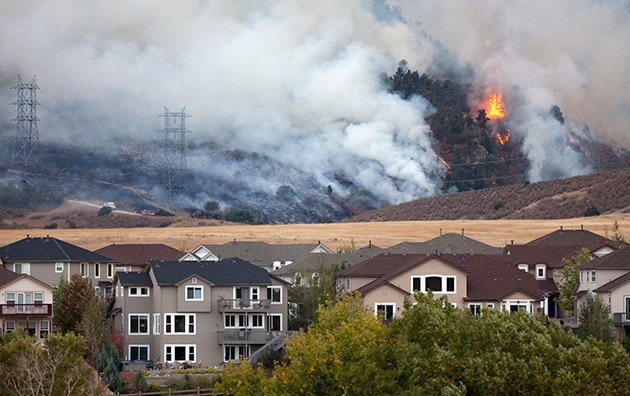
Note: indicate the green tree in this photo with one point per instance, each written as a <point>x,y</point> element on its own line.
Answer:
<point>107,362</point>
<point>211,206</point>
<point>307,294</point>
<point>71,300</point>
<point>53,367</point>
<point>618,237</point>
<point>569,277</point>
<point>595,320</point>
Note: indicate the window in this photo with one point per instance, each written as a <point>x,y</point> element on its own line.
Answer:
<point>85,269</point>
<point>523,267</point>
<point>138,291</point>
<point>9,326</point>
<point>139,324</point>
<point>97,270</point>
<point>174,323</point>
<point>274,322</point>
<point>235,352</point>
<point>246,295</point>
<point>10,298</point>
<point>43,329</point>
<point>180,353</point>
<point>593,276</point>
<point>243,321</point>
<point>274,294</point>
<point>194,293</point>
<point>475,309</point>
<point>541,271</point>
<point>58,267</point>
<point>138,352</point>
<point>22,268</point>
<point>434,283</point>
<point>229,321</point>
<point>110,270</point>
<point>38,299</point>
<point>385,311</point>
<point>156,323</point>
<point>258,321</point>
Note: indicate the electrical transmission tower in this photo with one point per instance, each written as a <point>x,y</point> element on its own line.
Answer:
<point>174,169</point>
<point>26,136</point>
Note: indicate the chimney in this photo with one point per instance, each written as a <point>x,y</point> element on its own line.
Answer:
<point>561,230</point>
<point>234,242</point>
<point>440,232</point>
<point>370,244</point>
<point>582,227</point>
<point>462,232</point>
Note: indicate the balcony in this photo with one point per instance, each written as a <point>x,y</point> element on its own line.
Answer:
<point>621,318</point>
<point>16,310</point>
<point>240,305</point>
<point>246,336</point>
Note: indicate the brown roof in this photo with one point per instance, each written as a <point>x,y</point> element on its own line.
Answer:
<point>7,276</point>
<point>551,255</point>
<point>139,253</point>
<point>451,243</point>
<point>619,259</point>
<point>381,265</point>
<point>581,237</point>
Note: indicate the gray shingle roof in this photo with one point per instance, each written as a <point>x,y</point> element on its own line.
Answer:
<point>47,249</point>
<point>619,259</point>
<point>230,271</point>
<point>451,243</point>
<point>140,278</point>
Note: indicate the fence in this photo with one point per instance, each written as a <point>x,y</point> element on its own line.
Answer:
<point>190,392</point>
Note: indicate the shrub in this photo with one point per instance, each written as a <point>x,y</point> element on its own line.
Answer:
<point>104,211</point>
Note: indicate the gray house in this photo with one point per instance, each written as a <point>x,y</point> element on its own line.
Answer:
<point>200,313</point>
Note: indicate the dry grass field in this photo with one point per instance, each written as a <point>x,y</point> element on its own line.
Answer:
<point>382,234</point>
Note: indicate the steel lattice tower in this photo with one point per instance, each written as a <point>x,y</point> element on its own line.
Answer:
<point>174,169</point>
<point>27,136</point>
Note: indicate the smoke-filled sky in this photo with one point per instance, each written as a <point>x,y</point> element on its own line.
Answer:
<point>300,81</point>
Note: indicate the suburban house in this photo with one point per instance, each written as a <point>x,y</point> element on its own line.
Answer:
<point>595,243</point>
<point>265,255</point>
<point>131,257</point>
<point>449,243</point>
<point>201,312</point>
<point>49,259</point>
<point>608,278</point>
<point>25,302</point>
<point>468,281</point>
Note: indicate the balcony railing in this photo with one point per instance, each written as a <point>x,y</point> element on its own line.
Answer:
<point>246,336</point>
<point>621,318</point>
<point>239,304</point>
<point>25,309</point>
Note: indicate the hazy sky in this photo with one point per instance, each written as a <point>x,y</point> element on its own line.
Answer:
<point>299,81</point>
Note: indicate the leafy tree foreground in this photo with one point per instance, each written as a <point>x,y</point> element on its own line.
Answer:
<point>435,349</point>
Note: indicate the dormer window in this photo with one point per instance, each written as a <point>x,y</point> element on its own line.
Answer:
<point>523,267</point>
<point>541,271</point>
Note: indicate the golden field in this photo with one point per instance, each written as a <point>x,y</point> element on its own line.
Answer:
<point>382,234</point>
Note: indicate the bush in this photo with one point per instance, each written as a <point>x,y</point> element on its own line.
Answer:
<point>104,211</point>
<point>591,211</point>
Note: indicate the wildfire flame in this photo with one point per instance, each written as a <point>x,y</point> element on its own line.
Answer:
<point>496,108</point>
<point>503,138</point>
<point>444,162</point>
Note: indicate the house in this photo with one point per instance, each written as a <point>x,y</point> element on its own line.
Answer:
<point>608,278</point>
<point>25,302</point>
<point>200,311</point>
<point>450,243</point>
<point>131,257</point>
<point>468,281</point>
<point>269,256</point>
<point>596,244</point>
<point>49,259</point>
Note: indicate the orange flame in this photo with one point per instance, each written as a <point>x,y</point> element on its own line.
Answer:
<point>503,138</point>
<point>496,107</point>
<point>444,162</point>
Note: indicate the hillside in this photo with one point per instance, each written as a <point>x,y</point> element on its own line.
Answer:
<point>600,193</point>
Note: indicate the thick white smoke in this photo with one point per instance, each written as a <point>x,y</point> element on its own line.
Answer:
<point>299,81</point>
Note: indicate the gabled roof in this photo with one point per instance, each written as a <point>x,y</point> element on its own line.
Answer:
<point>138,253</point>
<point>613,284</point>
<point>581,237</point>
<point>225,272</point>
<point>47,249</point>
<point>380,265</point>
<point>314,262</point>
<point>140,278</point>
<point>450,243</point>
<point>617,260</point>
<point>551,255</point>
<point>264,254</point>
<point>7,277</point>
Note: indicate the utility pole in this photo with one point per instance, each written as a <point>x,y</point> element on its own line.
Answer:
<point>26,136</point>
<point>174,168</point>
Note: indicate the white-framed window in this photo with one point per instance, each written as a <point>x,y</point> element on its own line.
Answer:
<point>475,309</point>
<point>242,320</point>
<point>97,290</point>
<point>85,269</point>
<point>515,306</point>
<point>385,311</point>
<point>593,277</point>
<point>179,324</point>
<point>235,352</point>
<point>274,294</point>
<point>38,299</point>
<point>44,329</point>
<point>22,268</point>
<point>137,291</point>
<point>247,295</point>
<point>490,305</point>
<point>97,270</point>
<point>110,270</point>
<point>194,293</point>
<point>58,267</point>
<point>9,326</point>
<point>523,267</point>
<point>138,352</point>
<point>180,353</point>
<point>442,284</point>
<point>138,324</point>
<point>156,323</point>
<point>258,321</point>
<point>229,321</point>
<point>541,271</point>
<point>274,322</point>
<point>10,298</point>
